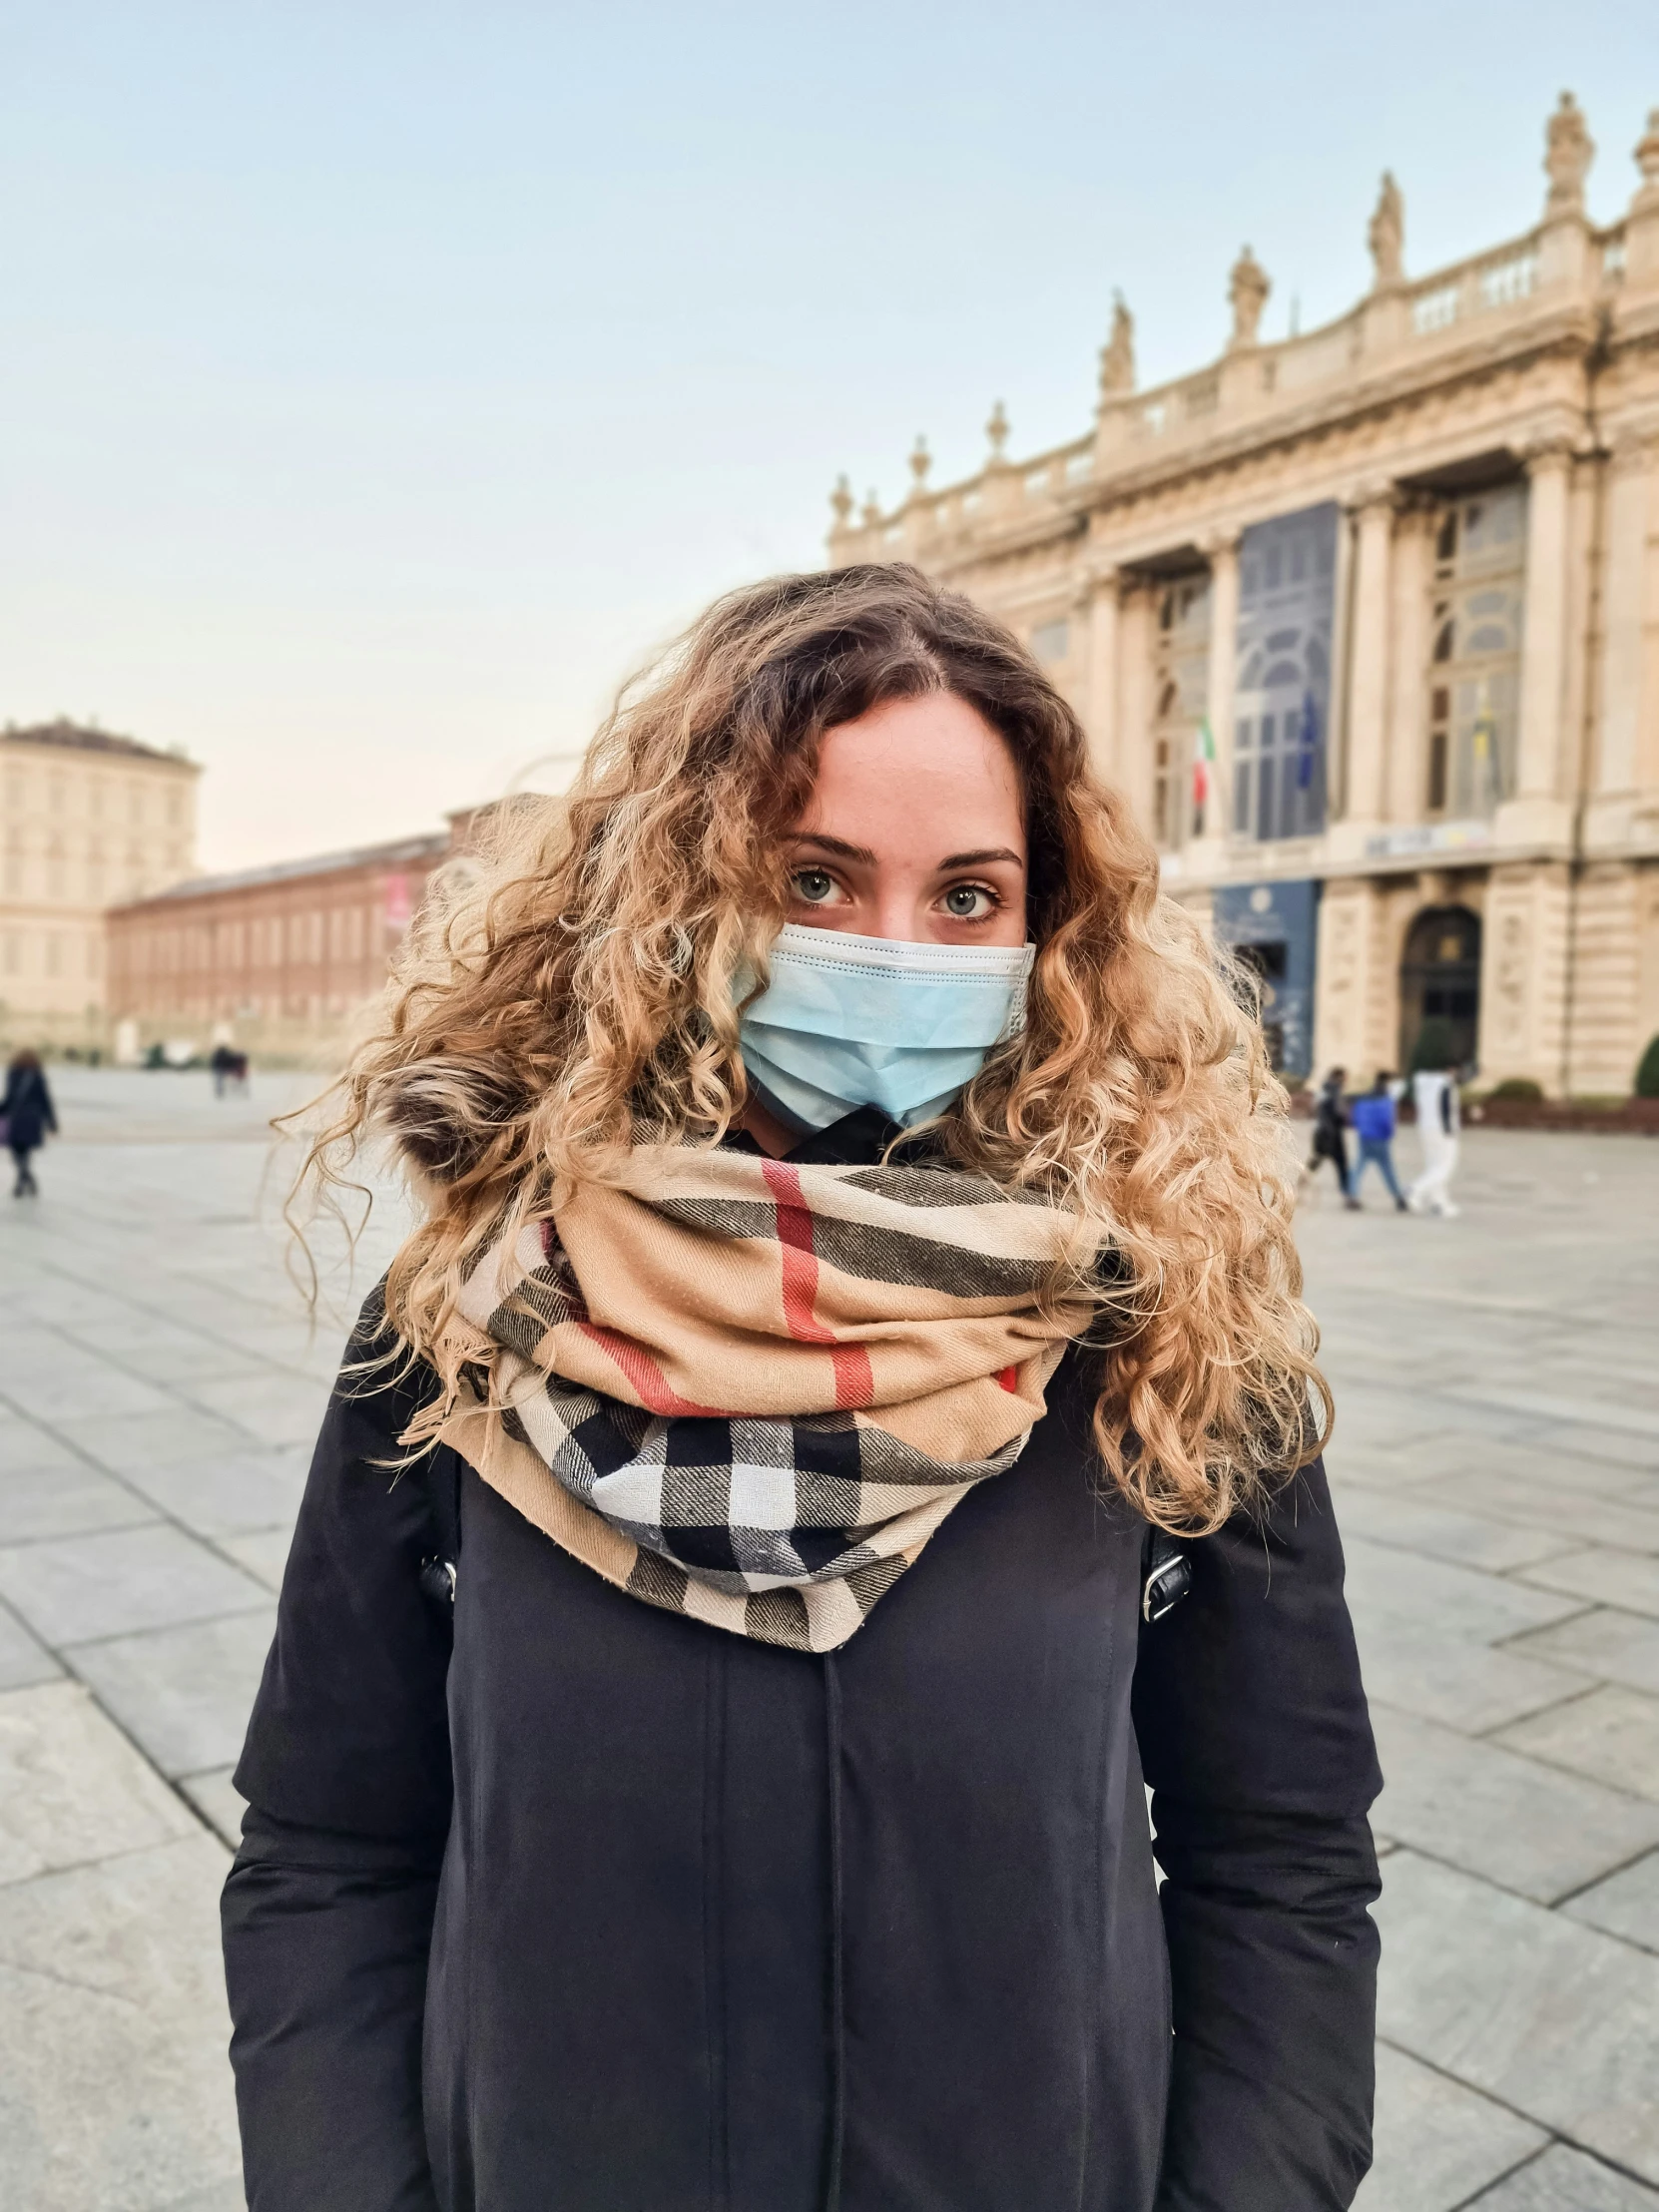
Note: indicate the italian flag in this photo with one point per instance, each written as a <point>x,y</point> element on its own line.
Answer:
<point>1204,753</point>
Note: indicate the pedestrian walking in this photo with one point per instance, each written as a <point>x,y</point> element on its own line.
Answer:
<point>1330,1129</point>
<point>28,1115</point>
<point>852,1227</point>
<point>1373,1118</point>
<point>1435,1093</point>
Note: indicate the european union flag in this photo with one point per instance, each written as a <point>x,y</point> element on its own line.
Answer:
<point>1307,741</point>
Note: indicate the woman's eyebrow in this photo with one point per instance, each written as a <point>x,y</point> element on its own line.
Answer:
<point>982,858</point>
<point>837,846</point>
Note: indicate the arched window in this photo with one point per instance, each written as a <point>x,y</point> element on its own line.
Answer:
<point>1475,682</point>
<point>1439,987</point>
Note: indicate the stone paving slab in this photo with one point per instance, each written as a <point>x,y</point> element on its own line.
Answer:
<point>112,2030</point>
<point>1438,2143</point>
<point>181,1692</point>
<point>1554,2019</point>
<point>22,1659</point>
<point>69,1785</point>
<point>1513,1821</point>
<point>1566,2181</point>
<point>1611,1735</point>
<point>70,1590</point>
<point>1626,1904</point>
<point>1619,1647</point>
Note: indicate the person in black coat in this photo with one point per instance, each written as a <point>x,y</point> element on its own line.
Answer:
<point>1330,1130</point>
<point>652,1807</point>
<point>28,1114</point>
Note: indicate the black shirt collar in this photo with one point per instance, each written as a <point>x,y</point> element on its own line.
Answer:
<point>858,1140</point>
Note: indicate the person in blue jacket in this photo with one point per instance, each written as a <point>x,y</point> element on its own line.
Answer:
<point>1374,1120</point>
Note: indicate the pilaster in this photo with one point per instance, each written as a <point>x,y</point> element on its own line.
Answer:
<point>1405,770</point>
<point>1624,767</point>
<point>1538,812</point>
<point>1523,974</point>
<point>1351,940</point>
<point>1096,610</point>
<point>1132,765</point>
<point>1206,856</point>
<point>1369,659</point>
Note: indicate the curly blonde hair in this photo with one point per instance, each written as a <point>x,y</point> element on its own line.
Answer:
<point>581,992</point>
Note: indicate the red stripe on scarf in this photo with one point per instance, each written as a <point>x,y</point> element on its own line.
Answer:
<point>1010,1379</point>
<point>854,1384</point>
<point>651,1385</point>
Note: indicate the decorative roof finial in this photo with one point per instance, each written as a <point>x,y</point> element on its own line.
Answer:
<point>1386,235</point>
<point>1247,291</point>
<point>1117,356</point>
<point>841,502</point>
<point>1568,152</point>
<point>873,509</point>
<point>920,463</point>
<point>997,431</point>
<point>1647,160</point>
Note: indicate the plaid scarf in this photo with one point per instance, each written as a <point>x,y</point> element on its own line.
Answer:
<point>750,1392</point>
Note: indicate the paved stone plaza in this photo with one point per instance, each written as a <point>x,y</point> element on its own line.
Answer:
<point>1498,1475</point>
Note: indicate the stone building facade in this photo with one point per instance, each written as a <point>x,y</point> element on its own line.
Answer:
<point>86,817</point>
<point>1365,624</point>
<point>274,960</point>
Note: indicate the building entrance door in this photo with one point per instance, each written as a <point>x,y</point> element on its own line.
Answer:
<point>1439,986</point>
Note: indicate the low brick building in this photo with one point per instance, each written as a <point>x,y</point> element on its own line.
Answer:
<point>274,960</point>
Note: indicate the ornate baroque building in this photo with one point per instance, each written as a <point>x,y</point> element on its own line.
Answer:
<point>1365,624</point>
<point>86,817</point>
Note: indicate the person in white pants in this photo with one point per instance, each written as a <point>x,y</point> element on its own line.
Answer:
<point>1436,1094</point>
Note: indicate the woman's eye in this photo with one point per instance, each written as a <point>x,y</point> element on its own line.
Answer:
<point>814,885</point>
<point>968,902</point>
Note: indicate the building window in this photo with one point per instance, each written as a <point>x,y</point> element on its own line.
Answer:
<point>1051,641</point>
<point>1287,606</point>
<point>1478,604</point>
<point>1181,682</point>
<point>17,790</point>
<point>175,809</point>
<point>54,954</point>
<point>14,952</point>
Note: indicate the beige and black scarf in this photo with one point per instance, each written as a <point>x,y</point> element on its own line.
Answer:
<point>748,1390</point>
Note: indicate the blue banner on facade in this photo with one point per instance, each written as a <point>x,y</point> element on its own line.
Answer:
<point>1282,705</point>
<point>1274,929</point>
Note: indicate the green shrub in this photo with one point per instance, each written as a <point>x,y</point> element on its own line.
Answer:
<point>1647,1071</point>
<point>1517,1086</point>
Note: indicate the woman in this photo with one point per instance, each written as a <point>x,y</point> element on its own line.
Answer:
<point>1330,1129</point>
<point>712,1775</point>
<point>28,1114</point>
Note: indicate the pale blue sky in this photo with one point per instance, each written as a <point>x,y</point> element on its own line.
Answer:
<point>378,382</point>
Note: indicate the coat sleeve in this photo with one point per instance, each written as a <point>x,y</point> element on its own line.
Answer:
<point>1257,1748</point>
<point>328,1910</point>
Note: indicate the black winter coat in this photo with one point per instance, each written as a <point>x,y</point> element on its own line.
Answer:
<point>27,1108</point>
<point>556,1903</point>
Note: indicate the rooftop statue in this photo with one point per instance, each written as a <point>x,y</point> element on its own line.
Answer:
<point>1247,290</point>
<point>1386,235</point>
<point>1568,153</point>
<point>1117,356</point>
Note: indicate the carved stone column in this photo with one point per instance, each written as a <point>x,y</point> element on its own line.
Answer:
<point>1405,769</point>
<point>1096,611</point>
<point>1222,546</point>
<point>1369,657</point>
<point>1626,751</point>
<point>1131,765</point>
<point>1538,810</point>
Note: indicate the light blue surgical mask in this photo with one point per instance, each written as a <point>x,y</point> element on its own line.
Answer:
<point>867,1021</point>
